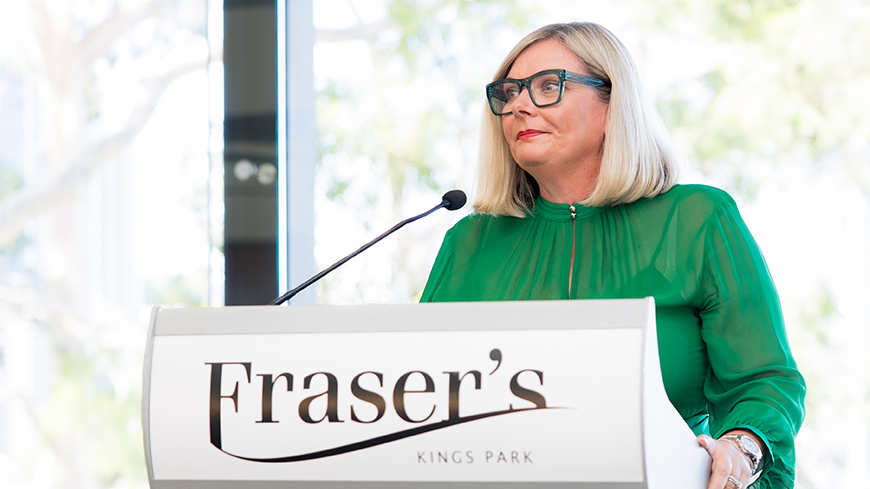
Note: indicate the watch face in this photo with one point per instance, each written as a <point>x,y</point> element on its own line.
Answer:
<point>748,446</point>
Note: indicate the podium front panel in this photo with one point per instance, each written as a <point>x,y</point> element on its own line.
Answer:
<point>510,394</point>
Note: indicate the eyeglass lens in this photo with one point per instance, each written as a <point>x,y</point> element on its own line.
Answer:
<point>544,89</point>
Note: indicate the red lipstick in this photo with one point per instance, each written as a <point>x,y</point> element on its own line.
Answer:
<point>528,134</point>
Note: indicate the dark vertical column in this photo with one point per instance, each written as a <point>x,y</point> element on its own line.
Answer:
<point>250,152</point>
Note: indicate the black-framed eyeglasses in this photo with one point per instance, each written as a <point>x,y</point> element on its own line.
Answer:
<point>545,89</point>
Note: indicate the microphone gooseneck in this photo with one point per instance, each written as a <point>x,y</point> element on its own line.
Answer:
<point>451,201</point>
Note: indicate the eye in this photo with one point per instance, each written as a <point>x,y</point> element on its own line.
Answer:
<point>550,86</point>
<point>546,85</point>
<point>511,93</point>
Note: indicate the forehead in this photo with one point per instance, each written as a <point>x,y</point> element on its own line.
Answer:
<point>545,55</point>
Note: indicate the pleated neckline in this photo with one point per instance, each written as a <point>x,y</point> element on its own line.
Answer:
<point>562,212</point>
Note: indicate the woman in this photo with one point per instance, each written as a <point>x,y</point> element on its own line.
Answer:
<point>578,199</point>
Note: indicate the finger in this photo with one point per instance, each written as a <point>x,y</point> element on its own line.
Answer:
<point>721,468</point>
<point>719,480</point>
<point>734,483</point>
<point>707,443</point>
<point>741,476</point>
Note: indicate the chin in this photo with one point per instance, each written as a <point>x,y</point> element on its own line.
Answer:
<point>529,164</point>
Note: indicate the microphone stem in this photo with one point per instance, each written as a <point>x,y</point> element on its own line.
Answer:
<point>290,293</point>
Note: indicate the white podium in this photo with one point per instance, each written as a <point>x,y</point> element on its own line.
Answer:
<point>538,394</point>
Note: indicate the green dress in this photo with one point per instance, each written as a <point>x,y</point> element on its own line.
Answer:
<point>725,358</point>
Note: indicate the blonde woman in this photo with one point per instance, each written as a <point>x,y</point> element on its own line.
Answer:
<point>577,199</point>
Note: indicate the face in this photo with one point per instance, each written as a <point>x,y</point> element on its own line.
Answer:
<point>562,140</point>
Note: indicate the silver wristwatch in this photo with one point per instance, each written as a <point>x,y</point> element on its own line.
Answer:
<point>749,448</point>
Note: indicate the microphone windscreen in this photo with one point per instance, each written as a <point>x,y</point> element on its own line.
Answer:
<point>454,199</point>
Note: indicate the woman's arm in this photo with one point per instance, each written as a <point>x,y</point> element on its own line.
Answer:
<point>753,384</point>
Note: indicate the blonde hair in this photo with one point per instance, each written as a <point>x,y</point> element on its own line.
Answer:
<point>637,158</point>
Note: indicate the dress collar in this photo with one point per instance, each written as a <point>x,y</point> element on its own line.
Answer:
<point>562,212</point>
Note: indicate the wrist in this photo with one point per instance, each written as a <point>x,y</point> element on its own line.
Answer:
<point>749,446</point>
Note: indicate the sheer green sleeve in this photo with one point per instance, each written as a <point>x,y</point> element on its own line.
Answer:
<point>753,381</point>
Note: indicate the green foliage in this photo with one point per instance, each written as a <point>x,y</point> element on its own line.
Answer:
<point>10,182</point>
<point>830,355</point>
<point>786,86</point>
<point>178,291</point>
<point>410,125</point>
<point>89,422</point>
<point>427,26</point>
<point>423,78</point>
<point>720,20</point>
<point>816,315</point>
<point>746,19</point>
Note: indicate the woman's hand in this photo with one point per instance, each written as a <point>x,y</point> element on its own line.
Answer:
<point>731,468</point>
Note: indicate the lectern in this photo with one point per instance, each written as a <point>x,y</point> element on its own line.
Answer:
<point>535,394</point>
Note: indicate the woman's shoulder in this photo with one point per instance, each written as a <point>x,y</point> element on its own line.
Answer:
<point>701,200</point>
<point>473,223</point>
<point>698,194</point>
<point>476,226</point>
<point>689,207</point>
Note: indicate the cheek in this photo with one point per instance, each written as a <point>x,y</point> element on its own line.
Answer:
<point>602,118</point>
<point>506,128</point>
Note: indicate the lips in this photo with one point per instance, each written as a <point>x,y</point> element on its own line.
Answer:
<point>528,134</point>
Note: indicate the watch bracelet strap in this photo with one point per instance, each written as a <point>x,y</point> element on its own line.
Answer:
<point>737,441</point>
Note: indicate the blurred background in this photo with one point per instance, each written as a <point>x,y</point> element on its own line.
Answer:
<point>140,149</point>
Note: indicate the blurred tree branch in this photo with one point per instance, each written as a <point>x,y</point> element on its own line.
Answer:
<point>70,157</point>
<point>360,31</point>
<point>786,85</point>
<point>34,199</point>
<point>425,57</point>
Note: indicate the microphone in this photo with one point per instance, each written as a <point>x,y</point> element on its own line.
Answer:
<point>451,201</point>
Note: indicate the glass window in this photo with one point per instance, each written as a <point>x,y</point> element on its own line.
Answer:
<point>110,203</point>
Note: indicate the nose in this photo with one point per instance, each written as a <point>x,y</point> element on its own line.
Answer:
<point>522,104</point>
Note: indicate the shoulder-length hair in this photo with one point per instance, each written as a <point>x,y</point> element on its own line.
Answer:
<point>637,157</point>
